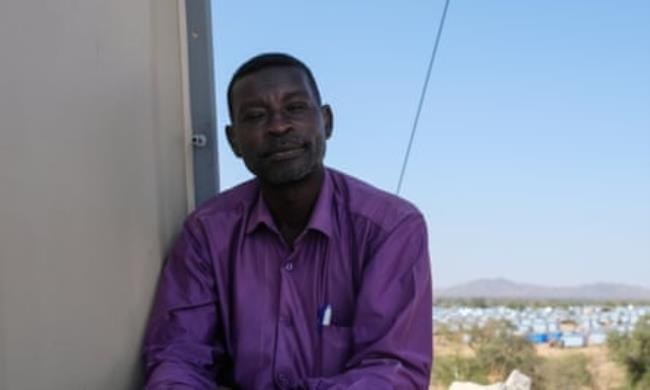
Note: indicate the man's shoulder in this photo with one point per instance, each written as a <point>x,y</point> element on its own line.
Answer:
<point>230,204</point>
<point>371,204</point>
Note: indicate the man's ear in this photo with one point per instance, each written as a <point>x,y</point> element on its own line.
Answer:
<point>328,118</point>
<point>232,140</point>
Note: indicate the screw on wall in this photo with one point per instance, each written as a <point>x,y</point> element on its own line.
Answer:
<point>199,140</point>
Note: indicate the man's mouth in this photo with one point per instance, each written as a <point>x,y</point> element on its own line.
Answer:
<point>285,153</point>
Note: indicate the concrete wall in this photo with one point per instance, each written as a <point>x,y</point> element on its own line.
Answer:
<point>92,185</point>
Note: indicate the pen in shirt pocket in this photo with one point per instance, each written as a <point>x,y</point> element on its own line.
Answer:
<point>324,315</point>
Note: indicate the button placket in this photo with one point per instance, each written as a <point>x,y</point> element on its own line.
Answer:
<point>283,378</point>
<point>289,263</point>
<point>286,320</point>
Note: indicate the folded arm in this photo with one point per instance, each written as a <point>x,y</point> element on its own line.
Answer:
<point>393,321</point>
<point>180,343</point>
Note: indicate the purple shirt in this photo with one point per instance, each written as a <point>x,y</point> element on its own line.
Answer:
<point>237,307</point>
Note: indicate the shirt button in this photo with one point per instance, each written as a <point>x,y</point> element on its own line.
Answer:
<point>289,266</point>
<point>283,380</point>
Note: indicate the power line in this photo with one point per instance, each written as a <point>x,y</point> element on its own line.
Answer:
<point>424,91</point>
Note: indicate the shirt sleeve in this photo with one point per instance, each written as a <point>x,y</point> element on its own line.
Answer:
<point>180,349</point>
<point>392,329</point>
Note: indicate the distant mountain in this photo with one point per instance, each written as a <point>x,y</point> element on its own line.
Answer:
<point>506,289</point>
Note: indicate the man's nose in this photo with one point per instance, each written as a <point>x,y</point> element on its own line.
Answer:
<point>279,123</point>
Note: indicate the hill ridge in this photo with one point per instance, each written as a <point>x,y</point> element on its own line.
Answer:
<point>501,288</point>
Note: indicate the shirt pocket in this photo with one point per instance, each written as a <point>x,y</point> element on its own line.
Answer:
<point>336,348</point>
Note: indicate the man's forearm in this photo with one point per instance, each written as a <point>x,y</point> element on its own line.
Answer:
<point>178,376</point>
<point>381,374</point>
<point>180,348</point>
<point>393,332</point>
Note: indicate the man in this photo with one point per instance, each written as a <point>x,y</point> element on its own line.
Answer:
<point>303,278</point>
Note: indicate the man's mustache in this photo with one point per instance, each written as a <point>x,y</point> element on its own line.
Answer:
<point>277,145</point>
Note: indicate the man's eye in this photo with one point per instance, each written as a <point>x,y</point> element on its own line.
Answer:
<point>253,116</point>
<point>297,107</point>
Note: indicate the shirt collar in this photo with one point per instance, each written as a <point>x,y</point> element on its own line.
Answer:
<point>321,216</point>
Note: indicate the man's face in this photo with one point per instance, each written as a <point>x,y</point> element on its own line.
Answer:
<point>278,126</point>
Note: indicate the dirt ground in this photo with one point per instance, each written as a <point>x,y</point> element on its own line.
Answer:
<point>606,374</point>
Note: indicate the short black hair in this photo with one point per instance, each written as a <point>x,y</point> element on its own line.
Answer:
<point>265,61</point>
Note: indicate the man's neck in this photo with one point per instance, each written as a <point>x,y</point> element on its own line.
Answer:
<point>291,204</point>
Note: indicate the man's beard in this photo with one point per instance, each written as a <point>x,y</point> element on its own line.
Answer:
<point>292,171</point>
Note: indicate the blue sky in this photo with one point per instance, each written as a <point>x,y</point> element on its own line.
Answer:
<point>532,156</point>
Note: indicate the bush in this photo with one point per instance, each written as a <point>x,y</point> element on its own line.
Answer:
<point>497,351</point>
<point>567,372</point>
<point>500,351</point>
<point>644,382</point>
<point>633,352</point>
<point>457,368</point>
<point>445,334</point>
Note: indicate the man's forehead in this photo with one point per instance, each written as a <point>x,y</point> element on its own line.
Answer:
<point>272,79</point>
